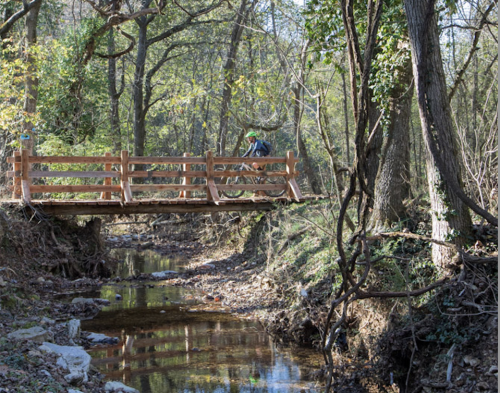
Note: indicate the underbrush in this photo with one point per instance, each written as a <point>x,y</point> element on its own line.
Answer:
<point>389,337</point>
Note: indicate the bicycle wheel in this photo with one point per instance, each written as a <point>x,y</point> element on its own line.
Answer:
<point>281,180</point>
<point>234,181</point>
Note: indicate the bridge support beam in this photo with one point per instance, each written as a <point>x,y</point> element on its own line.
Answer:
<point>74,210</point>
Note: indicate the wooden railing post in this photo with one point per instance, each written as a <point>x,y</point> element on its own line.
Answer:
<point>126,193</point>
<point>186,180</point>
<point>292,186</point>
<point>210,174</point>
<point>107,180</point>
<point>290,168</point>
<point>25,179</point>
<point>212,194</point>
<point>16,166</point>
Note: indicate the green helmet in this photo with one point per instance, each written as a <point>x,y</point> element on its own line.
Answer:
<point>251,133</point>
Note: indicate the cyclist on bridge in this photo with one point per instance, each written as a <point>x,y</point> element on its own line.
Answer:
<point>258,148</point>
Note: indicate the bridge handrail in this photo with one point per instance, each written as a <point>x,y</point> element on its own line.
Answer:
<point>22,174</point>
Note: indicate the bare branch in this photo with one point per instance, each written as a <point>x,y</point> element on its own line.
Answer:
<point>177,28</point>
<point>183,9</point>
<point>467,258</point>
<point>114,20</point>
<point>409,235</point>
<point>124,52</point>
<point>98,9</point>
<point>472,50</point>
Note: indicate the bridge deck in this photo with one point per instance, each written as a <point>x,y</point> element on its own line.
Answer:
<point>151,206</point>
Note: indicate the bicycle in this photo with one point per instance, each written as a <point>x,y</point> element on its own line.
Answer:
<point>263,178</point>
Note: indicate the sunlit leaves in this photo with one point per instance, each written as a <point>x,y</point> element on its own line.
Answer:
<point>12,81</point>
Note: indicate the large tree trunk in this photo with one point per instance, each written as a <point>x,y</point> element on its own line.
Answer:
<point>228,76</point>
<point>392,186</point>
<point>450,216</point>
<point>31,80</point>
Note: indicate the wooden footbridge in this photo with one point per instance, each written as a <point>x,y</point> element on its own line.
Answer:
<point>198,185</point>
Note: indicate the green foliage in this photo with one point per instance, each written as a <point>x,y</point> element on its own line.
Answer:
<point>325,28</point>
<point>71,96</point>
<point>410,270</point>
<point>12,75</point>
<point>392,59</point>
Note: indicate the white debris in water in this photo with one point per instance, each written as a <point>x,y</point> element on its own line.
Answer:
<point>164,273</point>
<point>115,386</point>
<point>98,338</point>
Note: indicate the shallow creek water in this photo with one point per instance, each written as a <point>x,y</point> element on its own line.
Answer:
<point>166,344</point>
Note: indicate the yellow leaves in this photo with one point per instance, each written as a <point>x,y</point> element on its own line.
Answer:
<point>240,83</point>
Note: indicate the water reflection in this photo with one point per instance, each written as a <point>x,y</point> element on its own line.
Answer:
<point>144,294</point>
<point>164,347</point>
<point>146,261</point>
<point>196,352</point>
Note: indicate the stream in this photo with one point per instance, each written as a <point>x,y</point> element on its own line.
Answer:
<point>170,341</point>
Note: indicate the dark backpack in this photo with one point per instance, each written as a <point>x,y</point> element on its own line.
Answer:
<point>268,147</point>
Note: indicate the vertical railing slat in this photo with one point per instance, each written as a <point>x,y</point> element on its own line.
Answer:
<point>25,179</point>
<point>126,193</point>
<point>212,194</point>
<point>292,186</point>
<point>16,191</point>
<point>107,180</point>
<point>186,180</point>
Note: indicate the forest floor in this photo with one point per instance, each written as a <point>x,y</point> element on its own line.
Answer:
<point>451,350</point>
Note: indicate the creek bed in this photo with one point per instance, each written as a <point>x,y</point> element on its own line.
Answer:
<point>169,341</point>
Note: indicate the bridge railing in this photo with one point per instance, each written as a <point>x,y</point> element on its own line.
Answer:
<point>208,180</point>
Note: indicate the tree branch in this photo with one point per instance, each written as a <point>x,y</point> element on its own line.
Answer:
<point>7,25</point>
<point>114,20</point>
<point>365,295</point>
<point>185,24</point>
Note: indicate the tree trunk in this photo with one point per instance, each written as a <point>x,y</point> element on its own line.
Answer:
<point>298,108</point>
<point>392,186</point>
<point>374,148</point>
<point>323,127</point>
<point>346,122</point>
<point>31,80</point>
<point>228,76</point>
<point>138,94</point>
<point>450,216</point>
<point>114,97</point>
